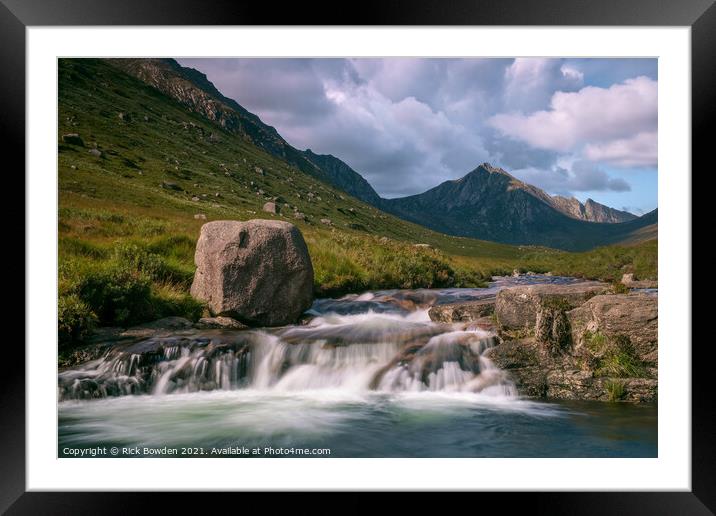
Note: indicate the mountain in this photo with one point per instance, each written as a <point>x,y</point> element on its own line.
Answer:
<point>193,89</point>
<point>591,210</point>
<point>344,177</point>
<point>490,204</point>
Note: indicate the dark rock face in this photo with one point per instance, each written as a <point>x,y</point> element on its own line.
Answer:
<point>344,177</point>
<point>552,329</point>
<point>258,272</point>
<point>462,312</point>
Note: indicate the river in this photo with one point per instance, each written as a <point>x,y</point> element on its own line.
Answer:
<point>367,375</point>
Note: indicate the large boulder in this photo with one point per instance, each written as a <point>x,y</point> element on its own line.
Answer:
<point>258,272</point>
<point>516,308</point>
<point>632,316</point>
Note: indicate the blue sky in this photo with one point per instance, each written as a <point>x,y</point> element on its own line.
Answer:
<point>574,127</point>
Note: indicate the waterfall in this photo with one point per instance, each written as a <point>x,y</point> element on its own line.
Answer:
<point>378,351</point>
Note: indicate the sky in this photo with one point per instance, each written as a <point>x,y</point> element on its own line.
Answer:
<point>575,127</point>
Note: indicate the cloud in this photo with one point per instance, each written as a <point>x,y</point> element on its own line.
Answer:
<point>582,177</point>
<point>407,124</point>
<point>530,82</point>
<point>639,150</point>
<point>590,116</point>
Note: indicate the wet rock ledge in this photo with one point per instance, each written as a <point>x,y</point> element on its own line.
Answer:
<point>578,341</point>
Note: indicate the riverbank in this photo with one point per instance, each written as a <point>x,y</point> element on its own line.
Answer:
<point>120,266</point>
<point>366,375</point>
<point>582,341</point>
<point>550,337</point>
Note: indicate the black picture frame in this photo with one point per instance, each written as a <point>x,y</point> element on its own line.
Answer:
<point>17,15</point>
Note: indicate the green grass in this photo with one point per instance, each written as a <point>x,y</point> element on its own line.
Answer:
<point>126,243</point>
<point>604,263</point>
<point>616,390</point>
<point>615,357</point>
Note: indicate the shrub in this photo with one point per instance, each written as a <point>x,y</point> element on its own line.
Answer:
<point>616,390</point>
<point>118,294</point>
<point>596,341</point>
<point>75,319</point>
<point>620,360</point>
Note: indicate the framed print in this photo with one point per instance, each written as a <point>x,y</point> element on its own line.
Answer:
<point>417,252</point>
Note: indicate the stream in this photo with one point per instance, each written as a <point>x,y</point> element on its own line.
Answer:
<point>369,375</point>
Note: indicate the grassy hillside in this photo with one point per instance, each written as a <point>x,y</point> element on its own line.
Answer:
<point>148,173</point>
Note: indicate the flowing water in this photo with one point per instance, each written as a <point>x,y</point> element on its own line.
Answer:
<point>368,376</point>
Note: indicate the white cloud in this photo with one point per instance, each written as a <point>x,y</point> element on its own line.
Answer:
<point>639,150</point>
<point>530,82</point>
<point>590,116</point>
<point>407,124</point>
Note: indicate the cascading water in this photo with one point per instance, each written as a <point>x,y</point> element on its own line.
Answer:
<point>390,352</point>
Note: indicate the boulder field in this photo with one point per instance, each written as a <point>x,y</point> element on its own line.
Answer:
<point>579,341</point>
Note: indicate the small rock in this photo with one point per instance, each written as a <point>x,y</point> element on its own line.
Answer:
<point>168,185</point>
<point>95,152</point>
<point>327,222</point>
<point>221,322</point>
<point>629,281</point>
<point>195,199</point>
<point>462,312</point>
<point>200,216</point>
<point>271,207</point>
<point>159,327</point>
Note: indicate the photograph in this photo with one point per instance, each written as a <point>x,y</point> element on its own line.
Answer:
<point>357,257</point>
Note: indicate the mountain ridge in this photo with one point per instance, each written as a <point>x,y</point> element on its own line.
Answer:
<point>490,204</point>
<point>476,205</point>
<point>193,89</point>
